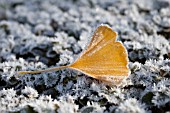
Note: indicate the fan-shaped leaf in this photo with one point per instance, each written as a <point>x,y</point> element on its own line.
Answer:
<point>104,58</point>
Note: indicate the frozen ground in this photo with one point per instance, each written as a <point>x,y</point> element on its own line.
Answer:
<point>36,34</point>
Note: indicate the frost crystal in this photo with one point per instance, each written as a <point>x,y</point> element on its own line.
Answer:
<point>131,106</point>
<point>38,34</point>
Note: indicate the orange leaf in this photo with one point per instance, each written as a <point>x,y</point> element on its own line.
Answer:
<point>104,58</point>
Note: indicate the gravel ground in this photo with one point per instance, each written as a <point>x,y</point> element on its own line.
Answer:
<point>36,34</point>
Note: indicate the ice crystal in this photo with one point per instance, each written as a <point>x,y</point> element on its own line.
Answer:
<point>131,106</point>
<point>37,34</point>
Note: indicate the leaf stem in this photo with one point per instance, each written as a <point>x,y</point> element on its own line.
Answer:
<point>42,71</point>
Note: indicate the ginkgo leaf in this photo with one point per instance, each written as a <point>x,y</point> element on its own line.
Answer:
<point>104,58</point>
